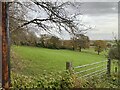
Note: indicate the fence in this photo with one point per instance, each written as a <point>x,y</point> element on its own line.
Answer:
<point>92,69</point>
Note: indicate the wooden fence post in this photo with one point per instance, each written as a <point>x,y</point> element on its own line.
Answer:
<point>119,73</point>
<point>0,44</point>
<point>115,69</point>
<point>69,66</point>
<point>109,67</point>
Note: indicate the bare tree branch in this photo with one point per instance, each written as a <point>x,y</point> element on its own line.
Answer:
<point>57,16</point>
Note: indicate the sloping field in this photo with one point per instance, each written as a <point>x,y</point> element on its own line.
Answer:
<point>35,61</point>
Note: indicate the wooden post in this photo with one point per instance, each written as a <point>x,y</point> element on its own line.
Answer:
<point>119,73</point>
<point>109,67</point>
<point>115,69</point>
<point>5,47</point>
<point>0,44</point>
<point>119,44</point>
<point>69,66</point>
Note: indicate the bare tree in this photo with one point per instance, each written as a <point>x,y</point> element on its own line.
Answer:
<point>56,17</point>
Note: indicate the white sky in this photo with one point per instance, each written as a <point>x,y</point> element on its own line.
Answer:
<point>105,26</point>
<point>102,15</point>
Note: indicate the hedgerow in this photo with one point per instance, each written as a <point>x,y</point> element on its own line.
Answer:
<point>61,80</point>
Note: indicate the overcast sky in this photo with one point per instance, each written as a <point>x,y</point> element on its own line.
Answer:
<point>102,15</point>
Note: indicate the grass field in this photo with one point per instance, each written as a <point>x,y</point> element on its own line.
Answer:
<point>35,61</point>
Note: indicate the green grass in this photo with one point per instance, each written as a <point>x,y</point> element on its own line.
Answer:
<point>40,60</point>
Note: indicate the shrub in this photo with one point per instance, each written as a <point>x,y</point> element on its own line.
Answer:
<point>61,80</point>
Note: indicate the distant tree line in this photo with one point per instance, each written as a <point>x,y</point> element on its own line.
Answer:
<point>76,43</point>
<point>49,41</point>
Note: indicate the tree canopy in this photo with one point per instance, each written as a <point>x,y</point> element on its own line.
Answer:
<point>81,41</point>
<point>114,52</point>
<point>100,45</point>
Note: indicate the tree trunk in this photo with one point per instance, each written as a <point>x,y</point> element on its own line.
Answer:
<point>98,53</point>
<point>80,49</point>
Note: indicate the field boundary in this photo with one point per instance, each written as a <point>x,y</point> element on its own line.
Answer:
<point>104,70</point>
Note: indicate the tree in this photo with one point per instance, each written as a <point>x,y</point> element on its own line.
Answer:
<point>81,41</point>
<point>43,40</point>
<point>49,41</point>
<point>114,52</point>
<point>100,45</point>
<point>54,42</point>
<point>32,39</point>
<point>19,36</point>
<point>56,16</point>
<point>109,45</point>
